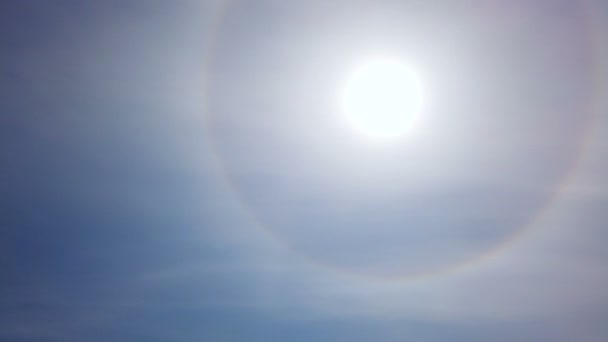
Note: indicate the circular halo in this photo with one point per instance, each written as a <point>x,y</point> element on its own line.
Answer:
<point>582,133</point>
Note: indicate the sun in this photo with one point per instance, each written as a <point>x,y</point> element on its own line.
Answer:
<point>383,98</point>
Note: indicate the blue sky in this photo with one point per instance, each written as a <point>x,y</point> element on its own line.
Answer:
<point>177,171</point>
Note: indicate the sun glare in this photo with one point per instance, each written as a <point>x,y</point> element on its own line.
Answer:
<point>383,99</point>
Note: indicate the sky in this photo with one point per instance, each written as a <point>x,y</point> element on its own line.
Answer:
<point>180,171</point>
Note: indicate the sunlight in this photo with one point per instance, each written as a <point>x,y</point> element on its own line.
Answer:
<point>383,99</point>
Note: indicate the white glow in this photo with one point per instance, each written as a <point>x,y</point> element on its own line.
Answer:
<point>383,99</point>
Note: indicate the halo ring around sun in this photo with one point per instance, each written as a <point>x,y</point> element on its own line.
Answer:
<point>459,265</point>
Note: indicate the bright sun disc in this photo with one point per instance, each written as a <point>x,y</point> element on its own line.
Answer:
<point>383,98</point>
